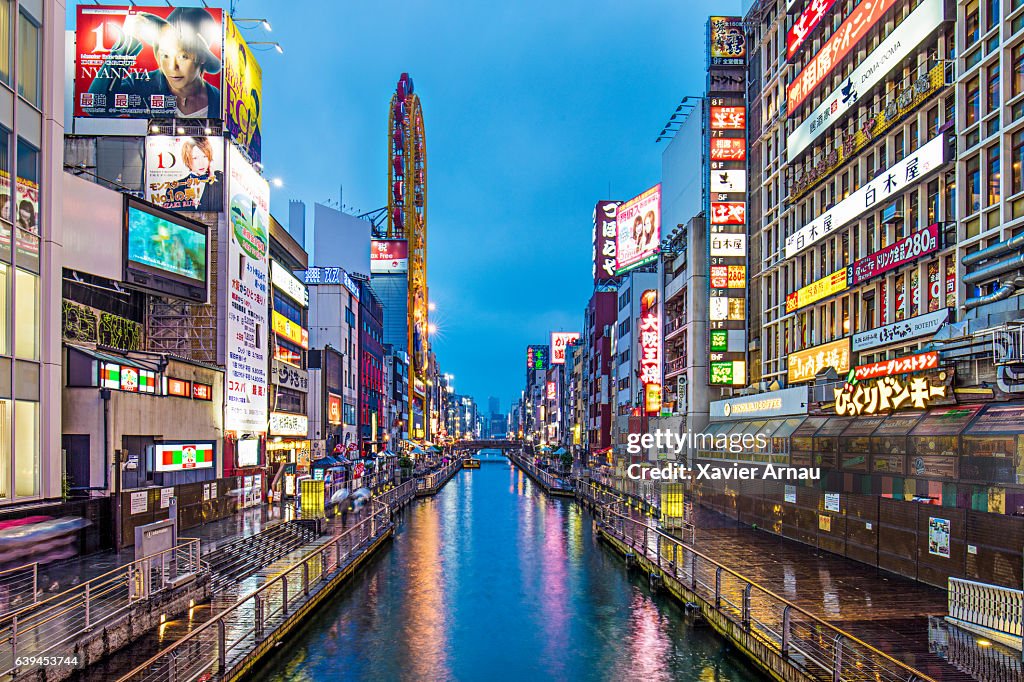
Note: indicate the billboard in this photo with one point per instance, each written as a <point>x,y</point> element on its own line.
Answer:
<point>872,70</point>
<point>246,363</point>
<point>649,362</point>
<point>638,230</point>
<point>605,233</point>
<point>124,67</point>
<point>559,341</point>
<point>808,20</point>
<point>389,256</point>
<point>164,253</point>
<point>904,365</point>
<point>904,330</point>
<point>183,456</point>
<point>286,282</point>
<point>243,83</point>
<point>895,255</point>
<point>727,46</point>
<point>804,364</point>
<point>873,194</point>
<point>828,285</point>
<point>537,358</point>
<point>185,173</point>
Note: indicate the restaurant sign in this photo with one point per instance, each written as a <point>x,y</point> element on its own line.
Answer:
<point>805,364</point>
<point>817,290</point>
<point>906,250</point>
<point>892,393</point>
<point>904,365</point>
<point>904,330</point>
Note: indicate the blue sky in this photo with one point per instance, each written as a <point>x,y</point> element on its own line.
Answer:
<point>533,110</point>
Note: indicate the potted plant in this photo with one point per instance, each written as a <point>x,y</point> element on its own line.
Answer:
<point>405,464</point>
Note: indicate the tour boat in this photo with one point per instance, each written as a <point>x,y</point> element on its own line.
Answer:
<point>471,463</point>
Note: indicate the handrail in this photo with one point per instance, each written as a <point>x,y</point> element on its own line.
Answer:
<point>17,581</point>
<point>267,601</point>
<point>41,627</point>
<point>789,609</point>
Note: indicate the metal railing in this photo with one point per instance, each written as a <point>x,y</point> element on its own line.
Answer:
<point>601,495</point>
<point>989,606</point>
<point>548,480</point>
<point>223,641</point>
<point>62,618</point>
<point>813,646</point>
<point>395,497</point>
<point>18,587</point>
<point>432,481</point>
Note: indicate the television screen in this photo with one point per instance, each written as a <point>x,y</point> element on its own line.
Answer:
<point>164,252</point>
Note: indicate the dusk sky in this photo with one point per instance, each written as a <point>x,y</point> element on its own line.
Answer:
<point>533,110</point>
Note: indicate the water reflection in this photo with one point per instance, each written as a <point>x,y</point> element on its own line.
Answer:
<point>493,580</point>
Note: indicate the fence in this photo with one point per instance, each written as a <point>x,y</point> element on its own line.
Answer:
<point>431,482</point>
<point>1000,609</point>
<point>41,628</point>
<point>816,648</point>
<point>18,587</point>
<point>219,644</point>
<point>549,481</point>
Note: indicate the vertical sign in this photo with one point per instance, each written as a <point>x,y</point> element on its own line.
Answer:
<point>727,211</point>
<point>649,366</point>
<point>245,408</point>
<point>605,250</point>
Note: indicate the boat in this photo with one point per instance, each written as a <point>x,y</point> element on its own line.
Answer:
<point>471,463</point>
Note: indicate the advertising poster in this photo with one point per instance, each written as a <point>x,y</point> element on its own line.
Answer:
<point>183,456</point>
<point>832,502</point>
<point>559,341</point>
<point>726,42</point>
<point>389,256</point>
<point>185,173</point>
<point>243,83</point>
<point>638,227</point>
<point>26,203</point>
<point>249,228</point>
<point>933,287</point>
<point>938,536</point>
<point>118,73</point>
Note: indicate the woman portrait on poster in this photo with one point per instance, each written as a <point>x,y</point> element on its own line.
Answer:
<point>27,215</point>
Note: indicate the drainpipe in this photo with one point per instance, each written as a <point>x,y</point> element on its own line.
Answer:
<point>105,396</point>
<point>999,268</point>
<point>1010,244</point>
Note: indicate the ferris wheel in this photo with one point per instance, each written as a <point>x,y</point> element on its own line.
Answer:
<point>407,218</point>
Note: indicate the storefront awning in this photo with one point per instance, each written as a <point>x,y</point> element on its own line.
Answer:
<point>115,359</point>
<point>946,421</point>
<point>998,420</point>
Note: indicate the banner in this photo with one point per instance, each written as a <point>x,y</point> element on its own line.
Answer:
<point>887,184</point>
<point>808,20</point>
<point>243,82</point>
<point>245,408</point>
<point>638,228</point>
<point>185,173</point>
<point>389,256</point>
<point>904,330</point>
<point>119,72</point>
<point>896,255</point>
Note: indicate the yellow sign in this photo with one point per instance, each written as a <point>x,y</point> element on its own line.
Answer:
<point>290,330</point>
<point>805,364</point>
<point>815,291</point>
<point>243,83</point>
<point>889,393</point>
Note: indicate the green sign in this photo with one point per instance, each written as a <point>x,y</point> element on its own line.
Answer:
<point>721,373</point>
<point>720,342</point>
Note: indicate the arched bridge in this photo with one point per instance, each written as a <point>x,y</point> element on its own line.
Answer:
<point>487,444</point>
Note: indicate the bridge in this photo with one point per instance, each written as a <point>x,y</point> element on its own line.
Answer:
<point>487,444</point>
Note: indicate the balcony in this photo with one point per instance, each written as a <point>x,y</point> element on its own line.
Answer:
<point>675,366</point>
<point>673,326</point>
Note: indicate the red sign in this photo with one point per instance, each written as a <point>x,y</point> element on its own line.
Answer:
<point>728,149</point>
<point>389,255</point>
<point>906,365</point>
<point>864,16</point>
<point>552,390</point>
<point>179,387</point>
<point>559,341</point>
<point>202,391</point>
<point>805,23</point>
<point>333,409</point>
<point>728,118</point>
<point>650,351</point>
<point>728,213</point>
<point>895,255</point>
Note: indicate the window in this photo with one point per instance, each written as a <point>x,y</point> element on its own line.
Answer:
<point>993,175</point>
<point>993,88</point>
<point>27,196</point>
<point>26,315</point>
<point>28,59</point>
<point>5,283</point>
<point>26,449</point>
<point>992,15</point>
<point>974,183</point>
<point>5,41</point>
<point>933,202</point>
<point>950,195</point>
<point>972,23</point>
<point>972,111</point>
<point>1017,56</point>
<point>1017,162</point>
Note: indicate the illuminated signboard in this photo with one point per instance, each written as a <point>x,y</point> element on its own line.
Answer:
<point>895,255</point>
<point>728,149</point>
<point>179,388</point>
<point>638,230</point>
<point>732,180</point>
<point>605,235</point>
<point>389,256</point>
<point>182,456</point>
<point>903,330</point>
<point>904,365</point>
<point>552,390</point>
<point>201,391</point>
<point>537,357</point>
<point>326,276</point>
<point>285,424</point>
<point>890,182</point>
<point>290,330</point>
<point>559,341</point>
<point>289,284</point>
<point>728,373</point>
<point>333,409</point>
<point>126,378</point>
<point>894,50</point>
<point>815,291</point>
<point>805,364</point>
<point>729,118</point>
<point>861,19</point>
<point>728,276</point>
<point>891,393</point>
<point>728,244</point>
<point>728,213</point>
<point>726,43</point>
<point>650,351</point>
<point>805,23</point>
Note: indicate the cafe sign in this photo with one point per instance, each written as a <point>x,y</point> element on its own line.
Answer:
<point>891,393</point>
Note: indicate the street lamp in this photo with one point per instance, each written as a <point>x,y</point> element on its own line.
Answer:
<point>274,44</point>
<point>256,22</point>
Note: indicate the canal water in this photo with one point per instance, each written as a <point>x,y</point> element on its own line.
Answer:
<point>493,580</point>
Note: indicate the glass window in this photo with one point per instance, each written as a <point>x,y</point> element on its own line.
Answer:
<point>5,170</point>
<point>972,23</point>
<point>972,111</point>
<point>26,315</point>
<point>1017,163</point>
<point>26,449</point>
<point>5,306</point>
<point>993,88</point>
<point>28,59</point>
<point>993,175</point>
<point>5,449</point>
<point>5,41</point>
<point>1017,57</point>
<point>974,183</point>
<point>27,196</point>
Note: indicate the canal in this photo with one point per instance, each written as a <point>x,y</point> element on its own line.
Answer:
<point>491,579</point>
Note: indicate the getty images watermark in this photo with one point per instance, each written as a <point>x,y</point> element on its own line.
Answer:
<point>668,441</point>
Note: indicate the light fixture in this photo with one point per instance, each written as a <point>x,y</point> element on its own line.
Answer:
<point>278,182</point>
<point>264,22</point>
<point>154,128</point>
<point>208,130</point>
<point>181,130</point>
<point>274,44</point>
<point>432,306</point>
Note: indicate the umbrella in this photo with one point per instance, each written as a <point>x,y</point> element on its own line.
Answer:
<point>559,451</point>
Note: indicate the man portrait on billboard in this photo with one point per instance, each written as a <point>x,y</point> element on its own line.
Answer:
<point>183,56</point>
<point>203,182</point>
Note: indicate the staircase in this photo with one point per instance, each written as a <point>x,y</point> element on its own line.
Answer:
<point>233,562</point>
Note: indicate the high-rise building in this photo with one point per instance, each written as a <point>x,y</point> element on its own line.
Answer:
<point>371,368</point>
